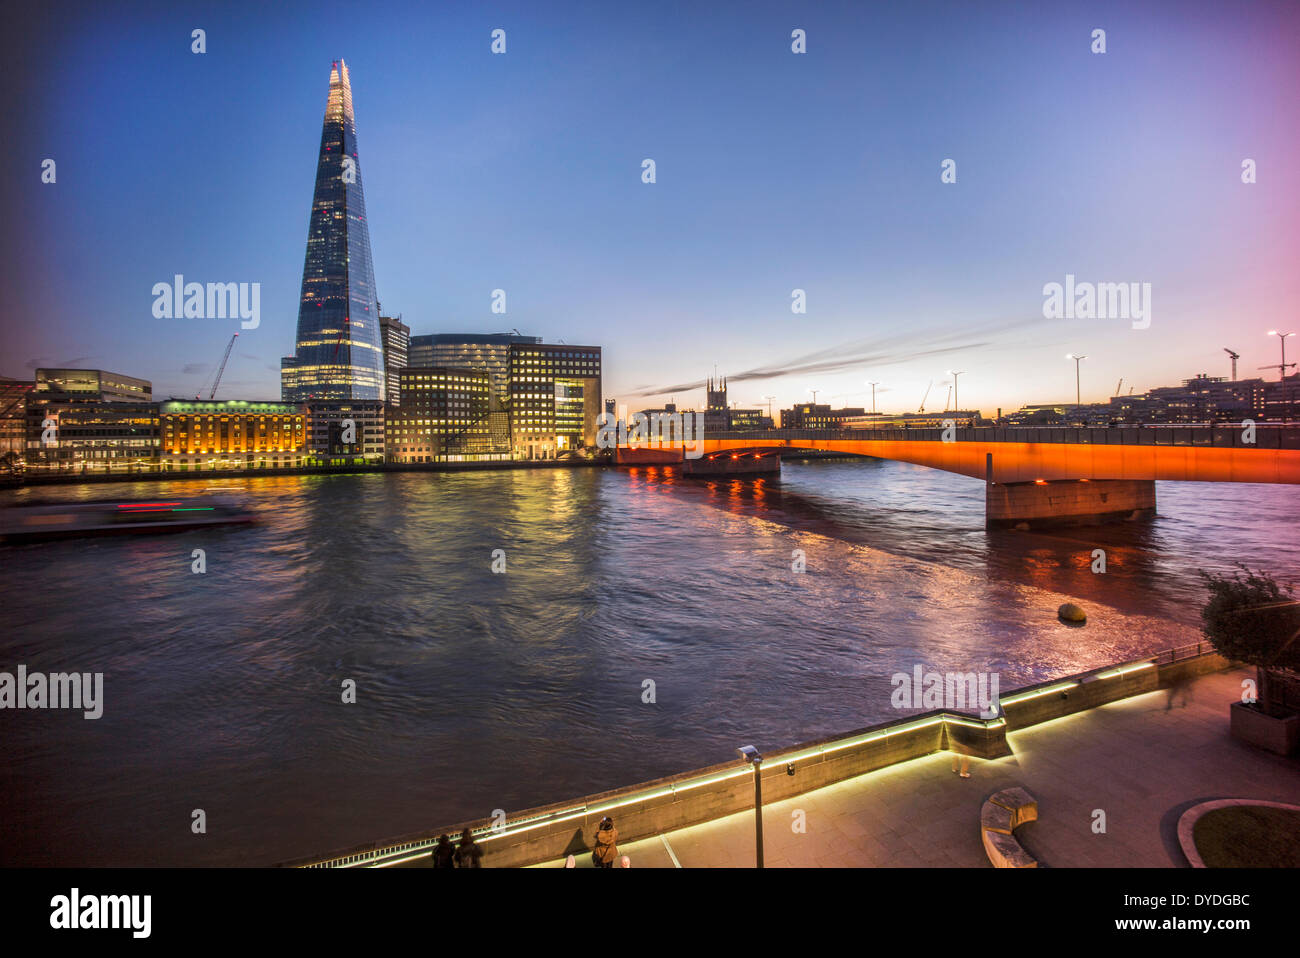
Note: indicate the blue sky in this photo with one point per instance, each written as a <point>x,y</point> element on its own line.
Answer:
<point>775,171</point>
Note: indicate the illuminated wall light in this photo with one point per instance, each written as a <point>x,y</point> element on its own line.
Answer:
<point>1124,670</point>
<point>1026,696</point>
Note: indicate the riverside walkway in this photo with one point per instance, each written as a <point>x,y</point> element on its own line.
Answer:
<point>1141,760</point>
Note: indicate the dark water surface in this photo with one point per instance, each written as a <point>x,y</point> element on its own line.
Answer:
<point>478,691</point>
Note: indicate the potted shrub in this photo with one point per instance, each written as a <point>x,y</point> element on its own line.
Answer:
<point>1251,618</point>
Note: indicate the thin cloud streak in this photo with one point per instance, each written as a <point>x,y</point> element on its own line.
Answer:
<point>864,352</point>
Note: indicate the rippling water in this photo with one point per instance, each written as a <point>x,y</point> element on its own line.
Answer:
<point>478,691</point>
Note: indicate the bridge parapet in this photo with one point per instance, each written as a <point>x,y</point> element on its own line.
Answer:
<point>1266,435</point>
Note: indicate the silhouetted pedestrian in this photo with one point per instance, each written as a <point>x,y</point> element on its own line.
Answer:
<point>606,844</point>
<point>1181,693</point>
<point>468,854</point>
<point>444,853</point>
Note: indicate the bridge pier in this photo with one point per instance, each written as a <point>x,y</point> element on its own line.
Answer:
<point>733,464</point>
<point>1067,502</point>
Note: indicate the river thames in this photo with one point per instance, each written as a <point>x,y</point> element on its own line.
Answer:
<point>478,691</point>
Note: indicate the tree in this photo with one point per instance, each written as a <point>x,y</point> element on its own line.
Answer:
<point>1251,618</point>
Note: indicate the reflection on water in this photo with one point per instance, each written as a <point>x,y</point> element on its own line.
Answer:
<point>478,691</point>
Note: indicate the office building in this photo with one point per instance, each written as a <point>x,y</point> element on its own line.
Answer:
<point>443,417</point>
<point>339,352</point>
<point>13,421</point>
<point>70,385</point>
<point>346,433</point>
<point>486,352</point>
<point>555,399</point>
<point>396,337</point>
<point>817,416</point>
<point>89,435</point>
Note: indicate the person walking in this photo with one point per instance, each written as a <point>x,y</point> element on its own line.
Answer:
<point>469,853</point>
<point>444,853</point>
<point>606,852</point>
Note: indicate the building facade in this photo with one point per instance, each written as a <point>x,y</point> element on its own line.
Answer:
<point>346,433</point>
<point>555,399</point>
<point>396,336</point>
<point>486,352</point>
<point>339,351</point>
<point>1200,399</point>
<point>817,416</point>
<point>961,418</point>
<point>443,417</point>
<point>13,421</point>
<point>69,385</point>
<point>91,436</point>
<point>234,434</point>
<point>489,352</point>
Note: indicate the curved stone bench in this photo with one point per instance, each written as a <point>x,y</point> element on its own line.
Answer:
<point>1000,816</point>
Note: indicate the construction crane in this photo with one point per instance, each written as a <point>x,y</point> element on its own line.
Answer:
<point>949,399</point>
<point>222,368</point>
<point>1119,385</point>
<point>926,396</point>
<point>1235,357</point>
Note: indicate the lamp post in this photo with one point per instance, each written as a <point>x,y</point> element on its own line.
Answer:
<point>956,405</point>
<point>750,755</point>
<point>1281,341</point>
<point>1077,360</point>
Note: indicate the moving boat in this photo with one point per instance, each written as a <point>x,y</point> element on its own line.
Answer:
<point>56,520</point>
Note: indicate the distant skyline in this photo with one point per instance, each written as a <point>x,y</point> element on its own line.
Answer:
<point>775,171</point>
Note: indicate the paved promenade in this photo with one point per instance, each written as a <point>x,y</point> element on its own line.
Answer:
<point>1141,761</point>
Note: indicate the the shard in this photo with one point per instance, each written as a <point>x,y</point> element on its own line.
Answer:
<point>339,351</point>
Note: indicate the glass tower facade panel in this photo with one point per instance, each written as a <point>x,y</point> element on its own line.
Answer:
<point>339,352</point>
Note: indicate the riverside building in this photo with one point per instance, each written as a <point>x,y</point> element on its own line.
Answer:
<point>346,433</point>
<point>555,399</point>
<point>234,434</point>
<point>13,420</point>
<point>91,436</point>
<point>443,417</point>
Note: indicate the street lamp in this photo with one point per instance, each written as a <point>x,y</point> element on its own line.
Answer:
<point>1281,369</point>
<point>873,386</point>
<point>750,754</point>
<point>1281,341</point>
<point>1077,360</point>
<point>955,405</point>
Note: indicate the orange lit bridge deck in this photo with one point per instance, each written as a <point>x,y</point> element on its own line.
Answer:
<point>1027,469</point>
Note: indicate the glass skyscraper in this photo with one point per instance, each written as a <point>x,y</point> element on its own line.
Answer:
<point>339,353</point>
